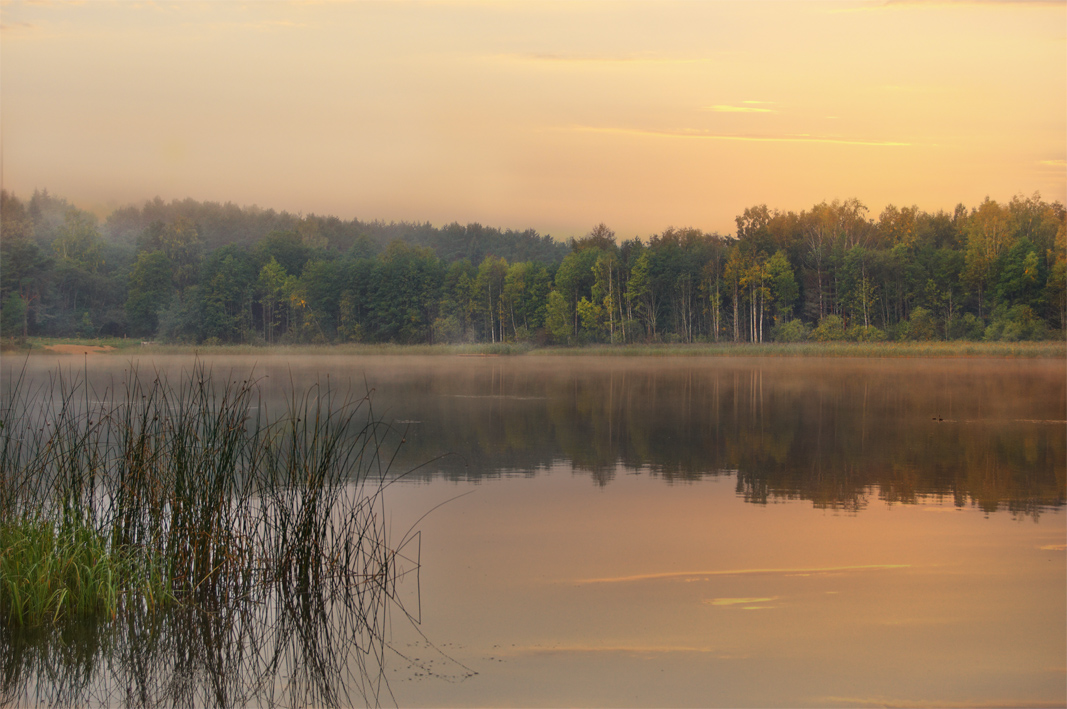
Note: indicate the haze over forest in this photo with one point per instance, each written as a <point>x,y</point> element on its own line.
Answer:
<point>860,169</point>
<point>546,115</point>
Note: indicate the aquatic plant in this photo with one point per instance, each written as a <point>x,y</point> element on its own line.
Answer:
<point>221,543</point>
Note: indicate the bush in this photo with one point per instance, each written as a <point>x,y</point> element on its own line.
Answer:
<point>898,332</point>
<point>1015,324</point>
<point>859,333</point>
<point>922,325</point>
<point>831,328</point>
<point>446,330</point>
<point>968,327</point>
<point>790,331</point>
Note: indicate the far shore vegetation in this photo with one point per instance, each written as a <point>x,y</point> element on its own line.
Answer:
<point>1048,349</point>
<point>205,275</point>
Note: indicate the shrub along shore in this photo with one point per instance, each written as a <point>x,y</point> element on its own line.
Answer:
<point>934,348</point>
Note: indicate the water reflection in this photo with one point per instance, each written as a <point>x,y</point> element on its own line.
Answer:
<point>831,431</point>
<point>311,647</point>
<point>984,433</point>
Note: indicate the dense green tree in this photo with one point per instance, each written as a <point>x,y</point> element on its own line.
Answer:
<point>525,294</point>
<point>272,292</point>
<point>575,279</point>
<point>405,294</point>
<point>25,270</point>
<point>224,296</point>
<point>286,248</point>
<point>1023,274</point>
<point>149,290</point>
<point>988,233</point>
<point>783,285</point>
<point>203,271</point>
<point>489,306</point>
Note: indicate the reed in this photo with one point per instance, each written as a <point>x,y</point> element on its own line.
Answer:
<point>190,504</point>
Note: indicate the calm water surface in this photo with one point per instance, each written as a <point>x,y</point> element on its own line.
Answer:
<point>716,532</point>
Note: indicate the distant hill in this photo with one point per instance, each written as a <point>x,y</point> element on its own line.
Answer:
<point>224,224</point>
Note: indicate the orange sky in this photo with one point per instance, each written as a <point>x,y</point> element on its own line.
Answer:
<point>551,115</point>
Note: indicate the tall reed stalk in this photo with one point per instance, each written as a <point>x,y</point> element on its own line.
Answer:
<point>225,542</point>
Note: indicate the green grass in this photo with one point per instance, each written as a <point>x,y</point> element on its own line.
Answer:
<point>51,575</point>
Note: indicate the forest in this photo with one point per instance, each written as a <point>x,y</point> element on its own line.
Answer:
<point>204,272</point>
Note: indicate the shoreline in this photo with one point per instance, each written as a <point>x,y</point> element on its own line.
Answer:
<point>888,350</point>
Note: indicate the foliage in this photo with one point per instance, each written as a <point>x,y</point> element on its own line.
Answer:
<point>790,331</point>
<point>967,327</point>
<point>859,333</point>
<point>208,273</point>
<point>1014,324</point>
<point>831,329</point>
<point>922,325</point>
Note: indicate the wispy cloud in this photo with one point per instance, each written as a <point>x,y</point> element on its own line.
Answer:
<point>15,26</point>
<point>745,604</point>
<point>705,135</point>
<point>893,4</point>
<point>720,108</point>
<point>1006,3</point>
<point>568,58</point>
<point>738,601</point>
<point>259,26</point>
<point>1053,163</point>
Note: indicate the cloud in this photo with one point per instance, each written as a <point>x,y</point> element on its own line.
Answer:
<point>738,109</point>
<point>566,58</point>
<point>258,26</point>
<point>894,4</point>
<point>1005,3</point>
<point>16,26</point>
<point>704,135</point>
<point>748,604</point>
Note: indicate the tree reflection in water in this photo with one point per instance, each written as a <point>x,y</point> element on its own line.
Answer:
<point>986,433</point>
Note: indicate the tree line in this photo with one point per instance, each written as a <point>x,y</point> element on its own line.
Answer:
<point>201,272</point>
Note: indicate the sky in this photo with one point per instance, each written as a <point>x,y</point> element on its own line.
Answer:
<point>554,116</point>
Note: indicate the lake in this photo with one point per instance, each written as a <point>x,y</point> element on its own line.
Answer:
<point>627,531</point>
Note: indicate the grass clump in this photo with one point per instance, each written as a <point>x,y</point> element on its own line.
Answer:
<point>49,575</point>
<point>219,539</point>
